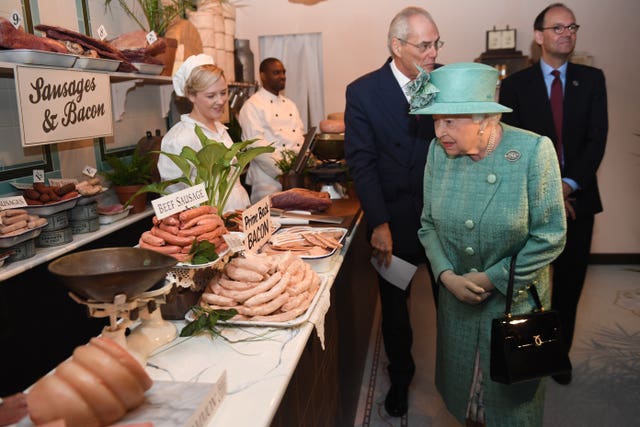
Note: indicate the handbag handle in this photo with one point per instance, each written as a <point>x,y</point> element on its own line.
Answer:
<point>531,288</point>
<point>512,268</point>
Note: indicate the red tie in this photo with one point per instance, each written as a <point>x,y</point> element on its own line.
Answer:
<point>556,109</point>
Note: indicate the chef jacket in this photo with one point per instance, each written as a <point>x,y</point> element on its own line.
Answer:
<point>271,119</point>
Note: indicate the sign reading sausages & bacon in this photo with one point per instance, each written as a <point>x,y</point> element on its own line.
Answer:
<point>62,105</point>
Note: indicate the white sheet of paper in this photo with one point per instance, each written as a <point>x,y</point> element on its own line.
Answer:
<point>399,273</point>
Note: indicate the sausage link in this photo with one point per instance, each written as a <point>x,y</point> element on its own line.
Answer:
<point>152,239</point>
<point>185,216</point>
<point>172,239</point>
<point>198,230</point>
<point>167,249</point>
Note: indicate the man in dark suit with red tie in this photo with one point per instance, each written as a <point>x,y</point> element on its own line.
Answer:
<point>568,103</point>
<point>386,151</point>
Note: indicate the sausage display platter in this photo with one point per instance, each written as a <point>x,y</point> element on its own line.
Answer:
<point>303,318</point>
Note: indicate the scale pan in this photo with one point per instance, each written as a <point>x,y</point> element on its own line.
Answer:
<point>101,274</point>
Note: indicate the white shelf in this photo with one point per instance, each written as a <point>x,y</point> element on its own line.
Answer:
<point>47,254</point>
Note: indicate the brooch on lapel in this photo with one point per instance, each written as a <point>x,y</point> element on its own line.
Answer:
<point>512,155</point>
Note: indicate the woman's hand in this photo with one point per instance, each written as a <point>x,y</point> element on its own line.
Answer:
<point>481,279</point>
<point>463,288</point>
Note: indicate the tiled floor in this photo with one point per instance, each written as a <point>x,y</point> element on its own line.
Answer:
<point>605,390</point>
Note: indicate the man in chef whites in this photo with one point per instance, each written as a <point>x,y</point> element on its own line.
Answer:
<point>272,118</point>
<point>386,150</point>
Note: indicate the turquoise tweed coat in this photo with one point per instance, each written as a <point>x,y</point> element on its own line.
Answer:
<point>476,216</point>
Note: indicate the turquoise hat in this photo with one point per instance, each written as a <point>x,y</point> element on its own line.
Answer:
<point>461,88</point>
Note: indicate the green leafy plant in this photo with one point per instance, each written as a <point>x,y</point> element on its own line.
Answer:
<point>288,161</point>
<point>205,321</point>
<point>157,15</point>
<point>134,171</point>
<point>203,252</point>
<point>215,166</point>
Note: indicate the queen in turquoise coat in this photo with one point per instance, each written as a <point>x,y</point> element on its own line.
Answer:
<point>491,192</point>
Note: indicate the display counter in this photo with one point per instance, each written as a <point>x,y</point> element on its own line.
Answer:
<point>283,376</point>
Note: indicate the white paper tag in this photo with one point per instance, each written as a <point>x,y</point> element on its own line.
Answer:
<point>179,201</point>
<point>102,33</point>
<point>235,241</point>
<point>38,175</point>
<point>16,19</point>
<point>12,202</point>
<point>151,37</point>
<point>89,171</point>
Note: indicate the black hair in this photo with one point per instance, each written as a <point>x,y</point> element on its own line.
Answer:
<point>266,62</point>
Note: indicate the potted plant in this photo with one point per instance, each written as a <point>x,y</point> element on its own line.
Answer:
<point>288,178</point>
<point>215,165</point>
<point>129,176</point>
<point>157,13</point>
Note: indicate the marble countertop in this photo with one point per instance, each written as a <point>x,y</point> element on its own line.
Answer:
<point>259,362</point>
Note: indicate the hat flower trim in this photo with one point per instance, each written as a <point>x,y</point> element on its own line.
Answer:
<point>421,92</point>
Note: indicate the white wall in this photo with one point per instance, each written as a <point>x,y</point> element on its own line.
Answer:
<point>354,42</point>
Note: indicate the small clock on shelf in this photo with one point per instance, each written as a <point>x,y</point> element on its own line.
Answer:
<point>501,40</point>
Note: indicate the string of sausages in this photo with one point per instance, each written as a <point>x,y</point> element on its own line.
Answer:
<point>175,234</point>
<point>271,288</point>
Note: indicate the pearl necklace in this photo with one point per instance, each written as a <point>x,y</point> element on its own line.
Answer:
<point>491,145</point>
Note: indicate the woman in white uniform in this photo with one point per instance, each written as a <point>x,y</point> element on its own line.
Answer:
<point>203,83</point>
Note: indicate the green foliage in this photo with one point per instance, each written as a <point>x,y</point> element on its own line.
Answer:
<point>215,166</point>
<point>206,321</point>
<point>203,252</point>
<point>134,171</point>
<point>288,160</point>
<point>158,17</point>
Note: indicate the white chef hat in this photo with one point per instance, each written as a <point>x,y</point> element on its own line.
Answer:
<point>183,73</point>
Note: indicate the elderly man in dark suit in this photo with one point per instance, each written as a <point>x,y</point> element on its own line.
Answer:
<point>574,116</point>
<point>386,149</point>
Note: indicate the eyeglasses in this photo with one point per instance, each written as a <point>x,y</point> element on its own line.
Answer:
<point>424,46</point>
<point>559,29</point>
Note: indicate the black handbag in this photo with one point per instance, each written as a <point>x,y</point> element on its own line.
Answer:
<point>527,346</point>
